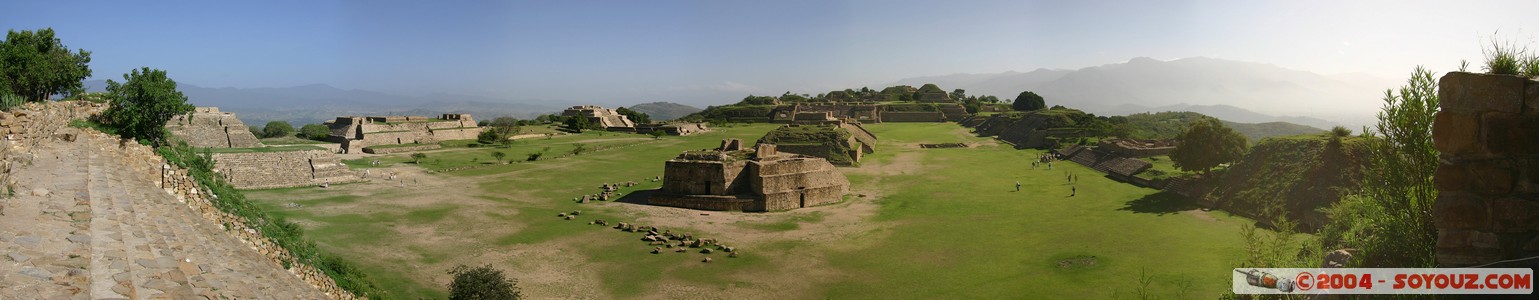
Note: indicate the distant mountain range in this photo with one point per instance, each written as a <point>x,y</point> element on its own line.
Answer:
<point>663,111</point>
<point>312,104</point>
<point>1230,90</point>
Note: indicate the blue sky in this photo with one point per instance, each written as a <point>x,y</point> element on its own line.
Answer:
<point>629,51</point>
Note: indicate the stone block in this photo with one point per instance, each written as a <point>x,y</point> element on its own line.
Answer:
<point>1513,215</point>
<point>1528,181</point>
<point>1531,102</point>
<point>1459,211</point>
<point>1492,179</point>
<point>1451,178</point>
<point>1467,92</point>
<point>1510,134</point>
<point>1456,133</point>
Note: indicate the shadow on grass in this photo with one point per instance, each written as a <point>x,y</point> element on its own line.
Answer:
<point>636,197</point>
<point>1161,203</point>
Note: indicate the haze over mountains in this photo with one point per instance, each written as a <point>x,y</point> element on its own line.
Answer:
<point>1231,90</point>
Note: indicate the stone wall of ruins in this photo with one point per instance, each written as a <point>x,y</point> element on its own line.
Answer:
<point>706,202</point>
<point>1487,131</point>
<point>282,169</point>
<point>703,177</point>
<point>1136,148</point>
<point>208,127</point>
<point>355,133</point>
<point>389,150</point>
<point>796,182</point>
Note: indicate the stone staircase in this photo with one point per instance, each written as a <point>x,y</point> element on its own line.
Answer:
<point>331,169</point>
<point>114,234</point>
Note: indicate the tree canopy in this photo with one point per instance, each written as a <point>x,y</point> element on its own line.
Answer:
<point>635,116</point>
<point>1029,101</point>
<point>1206,144</point>
<point>277,129</point>
<point>36,65</point>
<point>143,103</point>
<point>314,131</point>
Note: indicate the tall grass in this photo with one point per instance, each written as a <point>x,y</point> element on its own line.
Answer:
<point>1505,58</point>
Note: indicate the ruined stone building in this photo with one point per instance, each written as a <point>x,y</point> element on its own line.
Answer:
<point>675,128</point>
<point>732,178</point>
<point>841,143</point>
<point>600,117</point>
<point>356,133</point>
<point>259,170</point>
<point>1136,147</point>
<point>206,127</point>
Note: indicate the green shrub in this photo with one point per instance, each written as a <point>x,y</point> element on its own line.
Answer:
<point>7,101</point>
<point>1505,58</point>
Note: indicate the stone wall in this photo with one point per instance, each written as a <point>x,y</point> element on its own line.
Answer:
<point>399,149</point>
<point>1487,131</point>
<point>915,116</point>
<point>208,127</point>
<point>796,182</point>
<point>771,180</point>
<point>356,133</point>
<point>1136,148</point>
<point>282,169</point>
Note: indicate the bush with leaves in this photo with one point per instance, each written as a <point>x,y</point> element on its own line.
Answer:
<point>1028,101</point>
<point>416,158</point>
<point>277,129</point>
<point>482,283</point>
<point>1390,219</point>
<point>1206,144</point>
<point>314,131</point>
<point>143,103</point>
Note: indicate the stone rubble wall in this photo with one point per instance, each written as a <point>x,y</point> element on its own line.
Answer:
<point>1487,131</point>
<point>685,177</point>
<point>356,133</point>
<point>1136,148</point>
<point>258,170</point>
<point>29,124</point>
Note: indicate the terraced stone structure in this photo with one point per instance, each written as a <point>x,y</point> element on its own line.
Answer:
<point>1036,129</point>
<point>356,133</point>
<point>841,143</point>
<point>257,170</point>
<point>1135,147</point>
<point>1487,133</point>
<point>608,119</point>
<point>677,128</point>
<point>731,178</point>
<point>207,127</point>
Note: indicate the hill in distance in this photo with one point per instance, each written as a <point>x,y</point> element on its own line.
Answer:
<point>663,111</point>
<point>1226,89</point>
<point>315,103</point>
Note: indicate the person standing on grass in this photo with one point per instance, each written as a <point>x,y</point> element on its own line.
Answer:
<point>1073,191</point>
<point>1017,186</point>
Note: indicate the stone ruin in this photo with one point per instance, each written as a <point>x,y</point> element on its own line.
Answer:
<point>731,178</point>
<point>255,170</point>
<point>841,143</point>
<point>357,133</point>
<point>1136,147</point>
<point>1111,163</point>
<point>1487,208</point>
<point>601,117</point>
<point>675,128</point>
<point>207,127</point>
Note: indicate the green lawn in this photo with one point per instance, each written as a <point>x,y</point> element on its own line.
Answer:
<point>950,227</point>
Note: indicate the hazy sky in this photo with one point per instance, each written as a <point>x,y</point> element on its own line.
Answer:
<point>630,51</point>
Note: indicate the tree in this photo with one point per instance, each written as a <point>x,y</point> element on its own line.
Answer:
<point>959,94</point>
<point>36,65</point>
<point>577,123</point>
<point>1206,144</point>
<point>635,116</point>
<point>482,282</point>
<point>143,103</point>
<point>487,136</point>
<point>277,129</point>
<point>315,131</point>
<point>416,158</point>
<point>1390,220</point>
<point>499,156</point>
<point>1028,101</point>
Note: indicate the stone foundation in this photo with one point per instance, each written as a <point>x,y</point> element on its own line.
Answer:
<point>282,169</point>
<point>1487,208</point>
<point>207,127</point>
<point>388,150</point>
